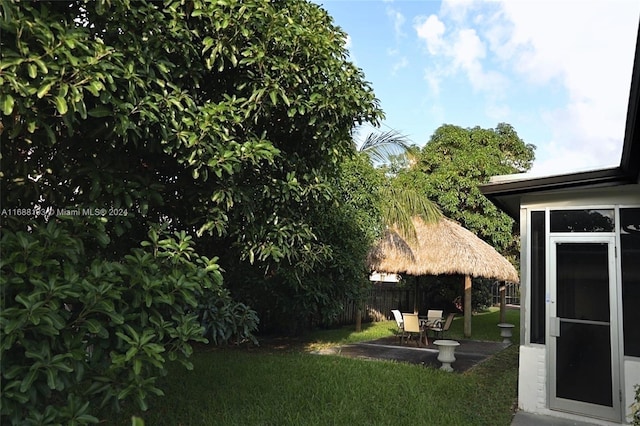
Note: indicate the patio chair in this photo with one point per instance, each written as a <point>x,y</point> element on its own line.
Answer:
<point>433,316</point>
<point>399,322</point>
<point>412,328</point>
<point>440,327</point>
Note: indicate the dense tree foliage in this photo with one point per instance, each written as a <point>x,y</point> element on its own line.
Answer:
<point>456,161</point>
<point>358,186</point>
<point>294,300</point>
<point>223,125</point>
<point>194,129</point>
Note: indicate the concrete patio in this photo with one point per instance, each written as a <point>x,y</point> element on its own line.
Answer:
<point>468,354</point>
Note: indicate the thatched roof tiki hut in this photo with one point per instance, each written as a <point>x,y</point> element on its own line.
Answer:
<point>442,248</point>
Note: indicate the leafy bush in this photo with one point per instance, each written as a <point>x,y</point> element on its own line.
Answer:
<point>447,292</point>
<point>635,408</point>
<point>225,320</point>
<point>77,333</point>
<point>481,296</point>
<point>294,298</point>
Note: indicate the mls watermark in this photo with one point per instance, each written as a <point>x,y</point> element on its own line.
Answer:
<point>48,212</point>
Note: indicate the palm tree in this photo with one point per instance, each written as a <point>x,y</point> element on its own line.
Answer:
<point>400,203</point>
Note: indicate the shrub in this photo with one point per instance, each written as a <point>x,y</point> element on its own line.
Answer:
<point>635,408</point>
<point>481,296</point>
<point>447,292</point>
<point>225,320</point>
<point>77,332</point>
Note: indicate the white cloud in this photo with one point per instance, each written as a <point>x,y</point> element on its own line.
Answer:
<point>398,21</point>
<point>347,42</point>
<point>498,112</point>
<point>433,81</point>
<point>460,50</point>
<point>582,50</point>
<point>582,138</point>
<point>402,63</point>
<point>456,10</point>
<point>431,30</point>
<point>467,49</point>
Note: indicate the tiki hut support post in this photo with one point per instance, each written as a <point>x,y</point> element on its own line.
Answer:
<point>467,306</point>
<point>503,303</point>
<point>415,295</point>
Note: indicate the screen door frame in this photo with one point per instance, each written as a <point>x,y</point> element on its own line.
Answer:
<point>556,324</point>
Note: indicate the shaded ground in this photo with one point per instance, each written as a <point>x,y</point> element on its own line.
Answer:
<point>468,354</point>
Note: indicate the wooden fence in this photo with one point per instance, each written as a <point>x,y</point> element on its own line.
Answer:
<point>382,298</point>
<point>380,301</point>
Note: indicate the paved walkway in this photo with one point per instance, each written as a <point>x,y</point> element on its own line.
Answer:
<point>468,354</point>
<point>527,419</point>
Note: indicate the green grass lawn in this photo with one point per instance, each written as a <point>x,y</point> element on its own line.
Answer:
<point>284,384</point>
<point>483,327</point>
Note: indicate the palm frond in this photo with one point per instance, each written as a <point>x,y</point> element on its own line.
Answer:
<point>380,146</point>
<point>401,204</point>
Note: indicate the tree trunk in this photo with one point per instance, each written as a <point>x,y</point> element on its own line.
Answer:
<point>358,320</point>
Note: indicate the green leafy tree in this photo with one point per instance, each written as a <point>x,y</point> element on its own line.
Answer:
<point>220,123</point>
<point>358,187</point>
<point>293,300</point>
<point>449,170</point>
<point>452,165</point>
<point>224,126</point>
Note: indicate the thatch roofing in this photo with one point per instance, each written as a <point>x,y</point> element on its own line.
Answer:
<point>442,248</point>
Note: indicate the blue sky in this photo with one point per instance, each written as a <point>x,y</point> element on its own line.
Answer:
<point>559,71</point>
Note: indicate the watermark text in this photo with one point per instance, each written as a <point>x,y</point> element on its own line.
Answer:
<point>47,212</point>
